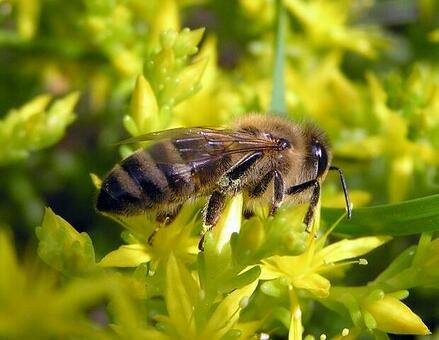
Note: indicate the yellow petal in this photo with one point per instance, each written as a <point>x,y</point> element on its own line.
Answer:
<point>167,18</point>
<point>347,249</point>
<point>315,283</point>
<point>229,223</point>
<point>126,256</point>
<point>393,316</point>
<point>144,108</point>
<point>181,296</point>
<point>226,314</point>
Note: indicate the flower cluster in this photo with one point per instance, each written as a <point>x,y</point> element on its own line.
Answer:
<point>257,276</point>
<point>35,126</point>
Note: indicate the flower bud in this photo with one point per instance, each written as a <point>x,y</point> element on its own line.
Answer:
<point>393,316</point>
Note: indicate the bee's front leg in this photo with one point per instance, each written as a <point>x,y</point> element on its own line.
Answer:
<point>312,206</point>
<point>296,189</point>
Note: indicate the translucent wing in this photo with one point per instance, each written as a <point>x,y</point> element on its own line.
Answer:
<point>211,141</point>
<point>199,148</point>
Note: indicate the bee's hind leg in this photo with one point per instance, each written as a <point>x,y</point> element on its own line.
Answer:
<point>213,210</point>
<point>164,218</point>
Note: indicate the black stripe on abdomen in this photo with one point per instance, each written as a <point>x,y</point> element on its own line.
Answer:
<point>119,194</point>
<point>168,160</point>
<point>141,170</point>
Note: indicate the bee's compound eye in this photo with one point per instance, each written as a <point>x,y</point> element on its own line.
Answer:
<point>284,144</point>
<point>319,152</point>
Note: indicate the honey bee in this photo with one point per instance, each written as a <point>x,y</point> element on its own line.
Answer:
<point>271,160</point>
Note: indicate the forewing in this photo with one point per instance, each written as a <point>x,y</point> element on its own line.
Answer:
<point>177,133</point>
<point>200,148</point>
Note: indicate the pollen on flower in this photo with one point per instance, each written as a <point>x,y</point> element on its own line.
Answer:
<point>363,262</point>
<point>323,337</point>
<point>345,332</point>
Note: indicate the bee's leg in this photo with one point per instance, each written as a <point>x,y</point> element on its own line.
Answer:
<point>214,208</point>
<point>278,194</point>
<point>248,214</point>
<point>230,181</point>
<point>296,189</point>
<point>164,218</point>
<point>240,168</point>
<point>262,186</point>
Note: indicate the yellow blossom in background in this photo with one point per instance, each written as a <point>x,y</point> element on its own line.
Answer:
<point>326,25</point>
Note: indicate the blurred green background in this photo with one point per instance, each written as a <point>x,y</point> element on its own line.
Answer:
<point>366,71</point>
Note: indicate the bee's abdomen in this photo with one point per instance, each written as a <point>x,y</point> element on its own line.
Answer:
<point>177,173</point>
<point>147,179</point>
<point>119,194</point>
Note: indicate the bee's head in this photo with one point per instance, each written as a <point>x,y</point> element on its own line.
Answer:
<point>319,156</point>
<point>318,153</point>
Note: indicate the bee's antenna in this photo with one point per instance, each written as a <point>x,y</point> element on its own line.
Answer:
<point>345,190</point>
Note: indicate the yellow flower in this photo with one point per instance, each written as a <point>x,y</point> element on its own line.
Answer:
<point>326,23</point>
<point>308,270</point>
<point>218,98</point>
<point>188,317</point>
<point>175,238</point>
<point>27,292</point>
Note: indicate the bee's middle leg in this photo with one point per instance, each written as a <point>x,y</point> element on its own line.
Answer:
<point>164,218</point>
<point>278,189</point>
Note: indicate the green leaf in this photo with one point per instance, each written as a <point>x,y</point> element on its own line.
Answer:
<point>404,218</point>
<point>62,247</point>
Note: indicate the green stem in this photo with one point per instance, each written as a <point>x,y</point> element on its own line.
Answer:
<point>278,103</point>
